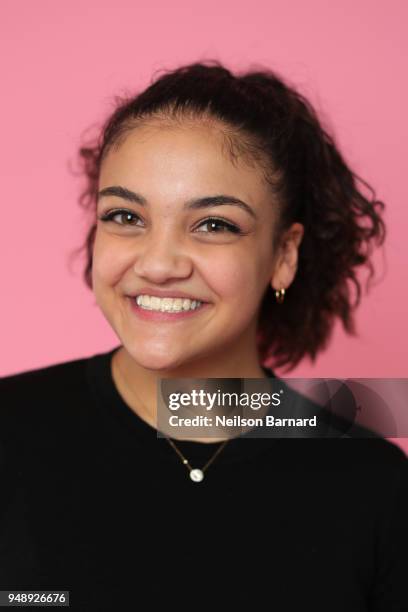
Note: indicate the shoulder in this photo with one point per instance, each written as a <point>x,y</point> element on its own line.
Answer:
<point>372,469</point>
<point>379,456</point>
<point>36,400</point>
<point>42,382</point>
<point>37,376</point>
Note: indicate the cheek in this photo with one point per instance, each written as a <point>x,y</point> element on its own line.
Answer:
<point>106,270</point>
<point>235,280</point>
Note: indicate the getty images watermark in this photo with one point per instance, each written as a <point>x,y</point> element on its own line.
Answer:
<point>276,407</point>
<point>211,401</point>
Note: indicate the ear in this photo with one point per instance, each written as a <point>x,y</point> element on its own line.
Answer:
<point>287,259</point>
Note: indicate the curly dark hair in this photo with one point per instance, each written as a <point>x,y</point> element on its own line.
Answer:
<point>269,122</point>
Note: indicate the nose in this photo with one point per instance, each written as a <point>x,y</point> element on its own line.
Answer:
<point>161,257</point>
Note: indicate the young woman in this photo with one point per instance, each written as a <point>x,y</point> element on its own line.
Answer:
<point>226,232</point>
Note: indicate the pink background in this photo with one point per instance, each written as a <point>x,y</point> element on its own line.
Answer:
<point>62,64</point>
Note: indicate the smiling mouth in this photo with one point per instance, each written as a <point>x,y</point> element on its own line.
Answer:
<point>164,311</point>
<point>167,304</point>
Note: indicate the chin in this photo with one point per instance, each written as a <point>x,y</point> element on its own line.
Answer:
<point>155,362</point>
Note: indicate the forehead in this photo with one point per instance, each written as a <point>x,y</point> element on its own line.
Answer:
<point>186,158</point>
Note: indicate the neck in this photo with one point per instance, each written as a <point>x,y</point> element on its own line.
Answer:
<point>138,385</point>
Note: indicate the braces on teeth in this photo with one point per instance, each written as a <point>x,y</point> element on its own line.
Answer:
<point>167,304</point>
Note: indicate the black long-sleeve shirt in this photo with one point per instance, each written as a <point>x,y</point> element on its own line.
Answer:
<point>93,502</point>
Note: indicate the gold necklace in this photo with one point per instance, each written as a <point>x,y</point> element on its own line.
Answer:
<point>196,474</point>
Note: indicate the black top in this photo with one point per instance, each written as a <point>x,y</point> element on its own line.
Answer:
<point>93,502</point>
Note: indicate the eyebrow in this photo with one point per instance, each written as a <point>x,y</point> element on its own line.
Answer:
<point>198,203</point>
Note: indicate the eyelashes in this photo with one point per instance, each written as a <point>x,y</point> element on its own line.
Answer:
<point>214,221</point>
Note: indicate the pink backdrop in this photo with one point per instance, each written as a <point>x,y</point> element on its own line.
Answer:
<point>62,63</point>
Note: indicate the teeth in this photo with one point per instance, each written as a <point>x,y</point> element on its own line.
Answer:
<point>166,304</point>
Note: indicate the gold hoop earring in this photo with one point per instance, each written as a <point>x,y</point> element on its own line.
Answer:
<point>280,295</point>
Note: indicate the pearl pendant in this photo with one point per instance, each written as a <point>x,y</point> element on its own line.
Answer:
<point>196,475</point>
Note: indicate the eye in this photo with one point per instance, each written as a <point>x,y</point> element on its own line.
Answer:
<point>109,216</point>
<point>214,221</point>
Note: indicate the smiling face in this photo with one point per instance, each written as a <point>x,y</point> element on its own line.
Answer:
<point>163,240</point>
